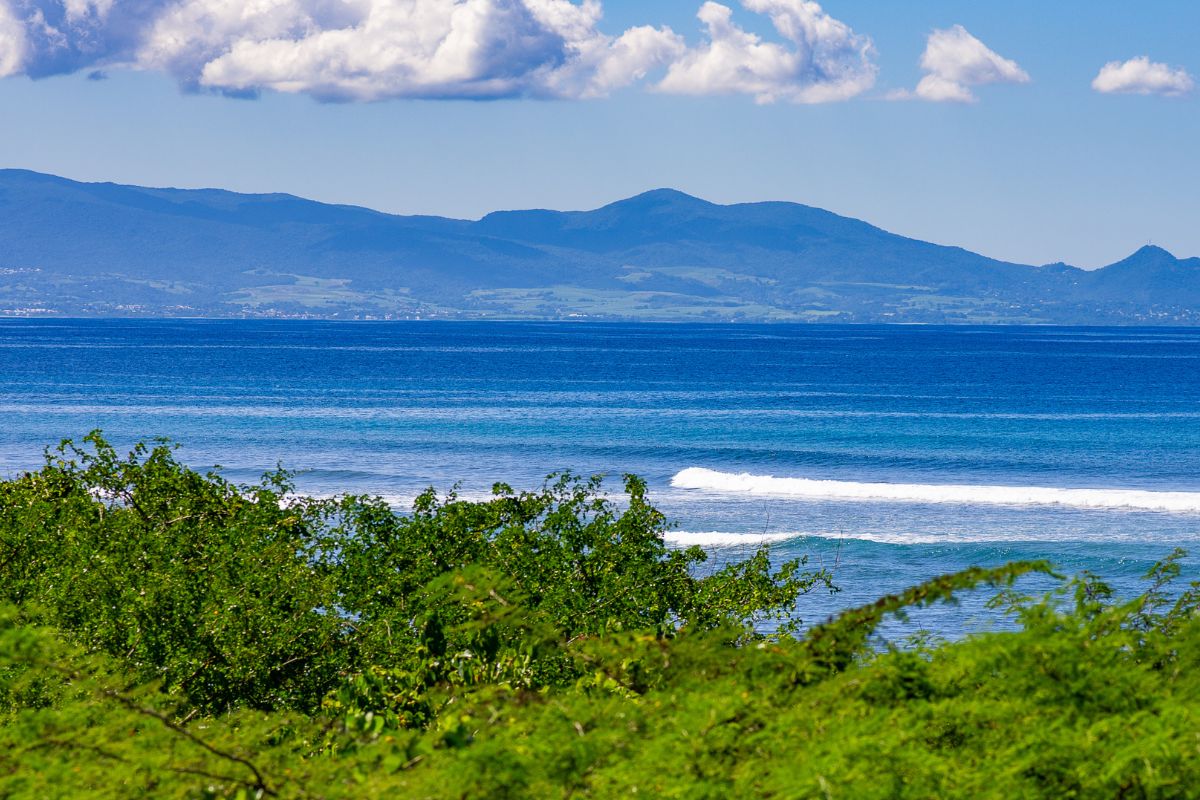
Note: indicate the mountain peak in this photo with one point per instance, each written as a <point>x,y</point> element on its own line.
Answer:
<point>1153,251</point>
<point>661,198</point>
<point>665,193</point>
<point>1149,255</point>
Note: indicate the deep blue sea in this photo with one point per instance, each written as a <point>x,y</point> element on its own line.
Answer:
<point>888,454</point>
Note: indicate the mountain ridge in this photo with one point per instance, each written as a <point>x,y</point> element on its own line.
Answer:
<point>68,247</point>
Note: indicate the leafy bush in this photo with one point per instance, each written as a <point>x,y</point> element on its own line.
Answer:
<point>167,634</point>
<point>255,597</point>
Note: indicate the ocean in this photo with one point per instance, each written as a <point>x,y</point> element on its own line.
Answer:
<point>887,454</point>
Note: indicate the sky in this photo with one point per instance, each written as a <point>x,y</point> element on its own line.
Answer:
<point>1028,131</point>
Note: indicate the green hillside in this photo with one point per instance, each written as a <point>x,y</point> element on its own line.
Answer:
<point>70,248</point>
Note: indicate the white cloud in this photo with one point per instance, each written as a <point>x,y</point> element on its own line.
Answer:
<point>62,36</point>
<point>377,49</point>
<point>823,61</point>
<point>434,48</point>
<point>954,61</point>
<point>77,10</point>
<point>607,65</point>
<point>1142,76</point>
<point>12,42</point>
<point>341,49</point>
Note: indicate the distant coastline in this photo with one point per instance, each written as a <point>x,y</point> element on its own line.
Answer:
<point>75,249</point>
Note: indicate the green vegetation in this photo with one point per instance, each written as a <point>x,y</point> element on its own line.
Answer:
<point>165,633</point>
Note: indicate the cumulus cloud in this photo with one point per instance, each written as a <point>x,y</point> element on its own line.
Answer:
<point>1142,76</point>
<point>12,42</point>
<point>437,48</point>
<point>954,61</point>
<point>481,49</point>
<point>822,61</point>
<point>61,36</point>
<point>339,49</point>
<point>375,49</point>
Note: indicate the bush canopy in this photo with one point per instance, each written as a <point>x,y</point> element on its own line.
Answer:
<point>167,633</point>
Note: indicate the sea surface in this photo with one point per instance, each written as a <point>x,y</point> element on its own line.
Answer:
<point>887,454</point>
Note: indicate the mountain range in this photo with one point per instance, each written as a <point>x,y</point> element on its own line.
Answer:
<point>102,249</point>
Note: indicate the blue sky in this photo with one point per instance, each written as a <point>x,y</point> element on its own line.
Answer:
<point>1036,165</point>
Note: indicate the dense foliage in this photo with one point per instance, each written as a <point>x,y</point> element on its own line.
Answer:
<point>165,633</point>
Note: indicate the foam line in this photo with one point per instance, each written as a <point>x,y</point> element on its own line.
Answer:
<point>722,539</point>
<point>718,539</point>
<point>708,480</point>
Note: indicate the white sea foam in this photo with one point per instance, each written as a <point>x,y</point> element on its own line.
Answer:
<point>723,539</point>
<point>720,539</point>
<point>998,537</point>
<point>404,502</point>
<point>709,480</point>
<point>398,502</point>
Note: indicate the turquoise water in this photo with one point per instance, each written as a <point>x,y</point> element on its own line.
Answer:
<point>888,453</point>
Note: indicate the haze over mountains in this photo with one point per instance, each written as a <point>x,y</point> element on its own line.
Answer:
<point>89,249</point>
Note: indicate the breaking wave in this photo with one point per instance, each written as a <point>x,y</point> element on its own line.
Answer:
<point>709,480</point>
<point>722,539</point>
